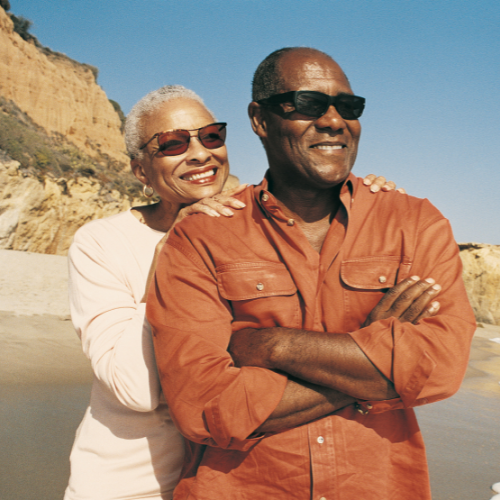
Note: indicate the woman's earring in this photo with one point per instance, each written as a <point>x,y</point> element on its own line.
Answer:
<point>147,191</point>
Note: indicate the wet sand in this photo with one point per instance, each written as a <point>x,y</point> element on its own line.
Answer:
<point>462,434</point>
<point>45,385</point>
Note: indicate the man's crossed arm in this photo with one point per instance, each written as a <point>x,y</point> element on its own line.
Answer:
<point>328,372</point>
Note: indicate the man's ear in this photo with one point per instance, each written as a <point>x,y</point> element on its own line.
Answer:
<point>138,171</point>
<point>257,119</point>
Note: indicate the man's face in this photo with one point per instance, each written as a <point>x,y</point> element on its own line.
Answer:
<point>318,152</point>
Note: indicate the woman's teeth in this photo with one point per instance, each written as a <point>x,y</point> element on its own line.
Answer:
<point>195,177</point>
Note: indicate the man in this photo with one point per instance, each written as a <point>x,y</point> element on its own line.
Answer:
<point>315,399</point>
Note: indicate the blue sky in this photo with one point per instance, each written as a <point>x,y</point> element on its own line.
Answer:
<point>430,71</point>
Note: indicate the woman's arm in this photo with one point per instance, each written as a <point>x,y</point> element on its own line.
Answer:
<point>106,289</point>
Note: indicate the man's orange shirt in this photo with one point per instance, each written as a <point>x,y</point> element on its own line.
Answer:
<point>257,269</point>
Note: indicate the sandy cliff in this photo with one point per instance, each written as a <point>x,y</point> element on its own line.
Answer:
<point>42,216</point>
<point>482,280</point>
<point>59,94</point>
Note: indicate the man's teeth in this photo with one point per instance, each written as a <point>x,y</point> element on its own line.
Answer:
<point>323,146</point>
<point>195,177</point>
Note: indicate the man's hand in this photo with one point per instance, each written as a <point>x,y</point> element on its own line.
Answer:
<point>408,301</point>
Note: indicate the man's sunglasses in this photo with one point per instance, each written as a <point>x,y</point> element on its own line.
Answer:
<point>316,104</point>
<point>176,142</point>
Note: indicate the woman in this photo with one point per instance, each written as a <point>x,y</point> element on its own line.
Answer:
<point>127,446</point>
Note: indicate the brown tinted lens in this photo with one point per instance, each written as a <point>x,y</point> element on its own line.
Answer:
<point>173,143</point>
<point>213,136</point>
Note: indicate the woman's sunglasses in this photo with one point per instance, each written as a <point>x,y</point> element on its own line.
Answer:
<point>316,104</point>
<point>176,142</point>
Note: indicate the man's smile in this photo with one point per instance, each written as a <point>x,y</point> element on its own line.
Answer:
<point>328,147</point>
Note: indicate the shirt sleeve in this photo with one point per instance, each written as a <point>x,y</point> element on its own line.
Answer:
<point>426,362</point>
<point>211,401</point>
<point>111,323</point>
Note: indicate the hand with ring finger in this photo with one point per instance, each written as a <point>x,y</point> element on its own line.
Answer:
<point>379,183</point>
<point>216,206</point>
<point>409,301</point>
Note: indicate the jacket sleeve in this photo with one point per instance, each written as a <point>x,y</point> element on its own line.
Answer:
<point>111,322</point>
<point>211,401</point>
<point>426,362</point>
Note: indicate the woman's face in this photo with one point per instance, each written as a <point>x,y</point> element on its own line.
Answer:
<point>172,176</point>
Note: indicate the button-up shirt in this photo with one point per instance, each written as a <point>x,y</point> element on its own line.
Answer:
<point>257,269</point>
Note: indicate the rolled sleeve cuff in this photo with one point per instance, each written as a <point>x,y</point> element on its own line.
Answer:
<point>408,366</point>
<point>232,422</point>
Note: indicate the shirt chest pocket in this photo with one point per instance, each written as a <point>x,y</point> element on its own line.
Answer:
<point>370,273</point>
<point>260,293</point>
<point>365,281</point>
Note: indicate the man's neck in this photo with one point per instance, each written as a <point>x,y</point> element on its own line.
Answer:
<point>312,209</point>
<point>305,203</point>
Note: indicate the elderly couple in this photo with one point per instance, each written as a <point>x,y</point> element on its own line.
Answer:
<point>294,324</point>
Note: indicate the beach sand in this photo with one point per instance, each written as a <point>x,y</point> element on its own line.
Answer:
<point>45,385</point>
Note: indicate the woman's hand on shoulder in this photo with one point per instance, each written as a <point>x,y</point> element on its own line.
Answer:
<point>216,205</point>
<point>379,183</point>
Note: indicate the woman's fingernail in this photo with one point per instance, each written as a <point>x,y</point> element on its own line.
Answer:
<point>415,278</point>
<point>430,281</point>
<point>227,212</point>
<point>375,188</point>
<point>239,204</point>
<point>436,288</point>
<point>367,182</point>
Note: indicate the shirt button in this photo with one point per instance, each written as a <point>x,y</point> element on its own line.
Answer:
<point>382,279</point>
<point>321,440</point>
<point>360,409</point>
<point>290,222</point>
<point>260,286</point>
<point>265,197</point>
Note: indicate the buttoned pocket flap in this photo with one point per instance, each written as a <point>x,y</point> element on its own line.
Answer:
<point>370,273</point>
<point>251,280</point>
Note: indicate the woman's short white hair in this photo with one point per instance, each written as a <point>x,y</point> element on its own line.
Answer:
<point>147,105</point>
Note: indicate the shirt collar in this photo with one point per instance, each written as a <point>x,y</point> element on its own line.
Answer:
<point>269,204</point>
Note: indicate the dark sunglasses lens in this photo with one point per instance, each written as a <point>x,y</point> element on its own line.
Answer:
<point>173,143</point>
<point>213,136</point>
<point>311,105</point>
<point>349,107</point>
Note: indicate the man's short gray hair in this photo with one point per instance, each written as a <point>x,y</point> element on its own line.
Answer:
<point>134,126</point>
<point>267,80</point>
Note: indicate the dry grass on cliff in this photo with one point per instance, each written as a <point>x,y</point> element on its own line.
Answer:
<point>41,155</point>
